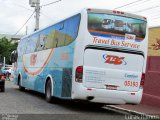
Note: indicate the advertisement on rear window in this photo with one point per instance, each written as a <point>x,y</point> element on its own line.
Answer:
<point>107,29</point>
<point>154,42</point>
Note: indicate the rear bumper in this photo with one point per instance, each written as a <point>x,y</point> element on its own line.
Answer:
<point>107,96</point>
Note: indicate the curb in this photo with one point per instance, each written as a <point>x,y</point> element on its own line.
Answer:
<point>130,112</point>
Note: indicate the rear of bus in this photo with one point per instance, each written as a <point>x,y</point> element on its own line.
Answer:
<point>112,65</point>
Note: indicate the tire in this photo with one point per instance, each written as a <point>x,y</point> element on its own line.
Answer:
<point>99,105</point>
<point>48,92</point>
<point>3,89</point>
<point>21,88</point>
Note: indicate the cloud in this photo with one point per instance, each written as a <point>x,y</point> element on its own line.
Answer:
<point>14,13</point>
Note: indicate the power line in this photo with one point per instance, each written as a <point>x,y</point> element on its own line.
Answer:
<point>146,9</point>
<point>25,23</point>
<point>128,4</point>
<point>155,14</point>
<point>29,17</point>
<point>46,16</point>
<point>21,6</point>
<point>132,3</point>
<point>155,18</point>
<point>33,13</point>
<point>50,3</point>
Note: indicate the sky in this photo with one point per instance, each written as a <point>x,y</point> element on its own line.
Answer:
<point>14,13</point>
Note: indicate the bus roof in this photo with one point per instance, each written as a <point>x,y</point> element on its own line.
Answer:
<point>115,12</point>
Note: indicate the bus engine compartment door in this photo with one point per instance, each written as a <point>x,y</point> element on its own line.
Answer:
<point>112,70</point>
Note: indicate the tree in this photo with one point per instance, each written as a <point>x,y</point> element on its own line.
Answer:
<point>6,47</point>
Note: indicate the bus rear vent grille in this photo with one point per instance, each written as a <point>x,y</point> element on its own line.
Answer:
<point>66,82</point>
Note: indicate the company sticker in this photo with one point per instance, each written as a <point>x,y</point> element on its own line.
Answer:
<point>115,60</point>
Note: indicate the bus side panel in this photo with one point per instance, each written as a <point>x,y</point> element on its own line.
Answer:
<point>59,66</point>
<point>62,64</point>
<point>20,71</point>
<point>54,48</point>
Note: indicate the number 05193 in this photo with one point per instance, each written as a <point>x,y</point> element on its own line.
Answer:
<point>130,83</point>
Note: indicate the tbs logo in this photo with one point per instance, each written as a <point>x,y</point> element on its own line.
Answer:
<point>116,60</point>
<point>33,59</point>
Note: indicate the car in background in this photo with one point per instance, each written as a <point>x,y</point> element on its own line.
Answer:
<point>2,81</point>
<point>6,70</point>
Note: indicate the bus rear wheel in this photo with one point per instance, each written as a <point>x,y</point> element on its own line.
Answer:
<point>2,88</point>
<point>21,88</point>
<point>48,92</point>
<point>19,84</point>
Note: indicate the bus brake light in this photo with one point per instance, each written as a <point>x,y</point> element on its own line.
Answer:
<point>142,79</point>
<point>145,18</point>
<point>79,74</point>
<point>118,12</point>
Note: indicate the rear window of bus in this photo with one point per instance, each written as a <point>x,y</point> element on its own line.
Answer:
<point>114,24</point>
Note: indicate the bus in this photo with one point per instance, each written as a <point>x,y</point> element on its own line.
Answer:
<point>77,58</point>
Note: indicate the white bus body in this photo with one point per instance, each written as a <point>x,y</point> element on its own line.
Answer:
<point>107,82</point>
<point>78,58</point>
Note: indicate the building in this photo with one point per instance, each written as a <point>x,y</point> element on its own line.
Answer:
<point>151,94</point>
<point>14,38</point>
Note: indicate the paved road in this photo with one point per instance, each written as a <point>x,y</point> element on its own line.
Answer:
<point>14,101</point>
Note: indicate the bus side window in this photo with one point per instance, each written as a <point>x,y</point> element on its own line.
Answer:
<point>40,45</point>
<point>21,47</point>
<point>31,44</point>
<point>54,35</point>
<point>61,34</point>
<point>14,56</point>
<point>72,29</point>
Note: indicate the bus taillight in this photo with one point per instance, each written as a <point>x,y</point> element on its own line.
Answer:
<point>145,18</point>
<point>79,74</point>
<point>142,80</point>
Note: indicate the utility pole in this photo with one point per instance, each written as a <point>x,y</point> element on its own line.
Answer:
<point>4,62</point>
<point>36,4</point>
<point>37,10</point>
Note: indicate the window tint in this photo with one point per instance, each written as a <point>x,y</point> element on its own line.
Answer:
<point>56,36</point>
<point>105,25</point>
<point>40,42</point>
<point>22,47</point>
<point>60,34</point>
<point>31,43</point>
<point>72,29</point>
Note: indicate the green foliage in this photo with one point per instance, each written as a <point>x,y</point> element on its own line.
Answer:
<point>6,47</point>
